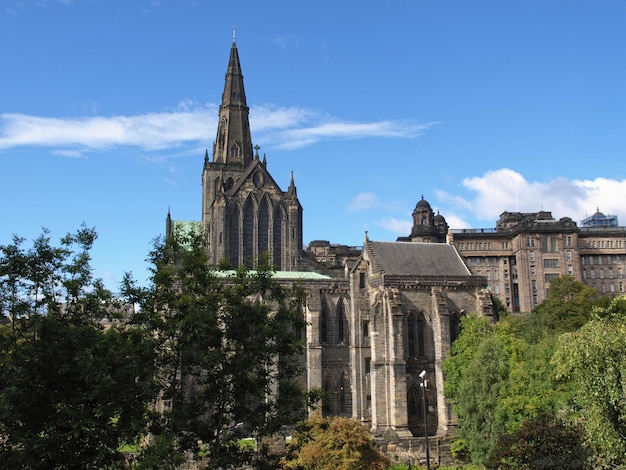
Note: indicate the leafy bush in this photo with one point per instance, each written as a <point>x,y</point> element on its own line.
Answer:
<point>333,444</point>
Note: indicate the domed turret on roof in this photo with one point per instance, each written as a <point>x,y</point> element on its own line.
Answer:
<point>599,220</point>
<point>427,227</point>
<point>422,204</point>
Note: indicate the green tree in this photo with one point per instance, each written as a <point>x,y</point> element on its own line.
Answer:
<point>545,442</point>
<point>497,380</point>
<point>531,388</point>
<point>481,391</point>
<point>474,330</point>
<point>594,360</point>
<point>566,308</point>
<point>229,353</point>
<point>71,391</point>
<point>336,443</point>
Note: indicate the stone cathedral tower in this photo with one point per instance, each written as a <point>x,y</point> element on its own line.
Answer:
<point>244,211</point>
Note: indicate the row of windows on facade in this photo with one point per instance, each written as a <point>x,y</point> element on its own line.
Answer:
<point>337,400</point>
<point>493,274</point>
<point>606,244</point>
<point>592,273</point>
<point>470,246</point>
<point>600,259</point>
<point>611,288</point>
<point>547,263</point>
<point>533,272</point>
<point>548,244</point>
<point>551,263</point>
<point>486,261</point>
<point>415,330</point>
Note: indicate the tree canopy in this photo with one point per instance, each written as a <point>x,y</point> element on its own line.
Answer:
<point>556,371</point>
<point>185,366</point>
<point>75,378</point>
<point>228,352</point>
<point>594,359</point>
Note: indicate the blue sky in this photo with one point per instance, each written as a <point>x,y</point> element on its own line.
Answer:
<point>107,107</point>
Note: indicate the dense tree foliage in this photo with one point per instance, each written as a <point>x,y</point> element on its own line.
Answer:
<point>228,353</point>
<point>336,443</point>
<point>500,377</point>
<point>594,359</point>
<point>546,442</point>
<point>72,391</point>
<point>566,308</point>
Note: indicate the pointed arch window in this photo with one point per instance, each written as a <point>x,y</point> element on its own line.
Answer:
<point>342,396</point>
<point>221,131</point>
<point>324,323</point>
<point>415,334</point>
<point>455,326</point>
<point>263,236</point>
<point>234,150</point>
<point>414,404</point>
<point>277,242</point>
<point>415,411</point>
<point>326,396</point>
<point>233,237</point>
<point>341,318</point>
<point>248,234</point>
<point>300,331</point>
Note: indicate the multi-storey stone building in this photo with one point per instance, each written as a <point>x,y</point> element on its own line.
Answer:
<point>377,315</point>
<point>525,251</point>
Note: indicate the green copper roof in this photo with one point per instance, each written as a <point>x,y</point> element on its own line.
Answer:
<point>186,227</point>
<point>280,275</point>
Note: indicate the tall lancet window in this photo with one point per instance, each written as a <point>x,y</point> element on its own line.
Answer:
<point>234,150</point>
<point>324,323</point>
<point>342,396</point>
<point>233,237</point>
<point>277,245</point>
<point>341,318</point>
<point>248,234</point>
<point>220,132</point>
<point>415,334</point>
<point>264,228</point>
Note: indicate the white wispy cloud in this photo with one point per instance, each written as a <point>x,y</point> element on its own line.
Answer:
<point>295,138</point>
<point>148,131</point>
<point>368,201</point>
<point>401,227</point>
<point>286,41</point>
<point>188,124</point>
<point>502,190</point>
<point>364,201</point>
<point>507,190</point>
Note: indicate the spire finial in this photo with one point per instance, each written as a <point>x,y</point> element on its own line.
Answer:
<point>234,34</point>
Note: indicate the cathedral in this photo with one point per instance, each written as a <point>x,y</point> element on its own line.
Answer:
<point>244,211</point>
<point>379,327</point>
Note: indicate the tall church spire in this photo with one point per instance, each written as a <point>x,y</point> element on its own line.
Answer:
<point>233,143</point>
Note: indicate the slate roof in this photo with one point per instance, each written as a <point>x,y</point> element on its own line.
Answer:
<point>418,259</point>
